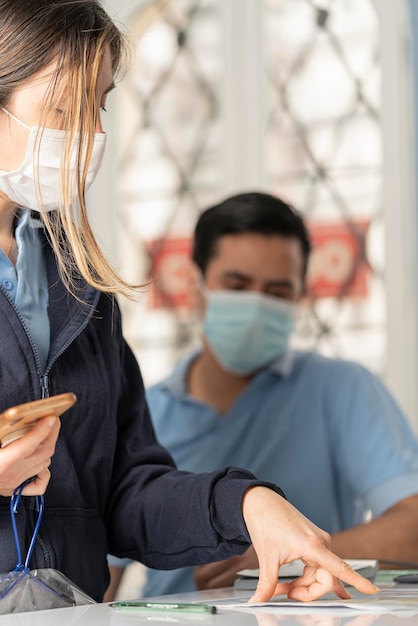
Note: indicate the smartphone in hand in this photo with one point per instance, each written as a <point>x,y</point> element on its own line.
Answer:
<point>17,420</point>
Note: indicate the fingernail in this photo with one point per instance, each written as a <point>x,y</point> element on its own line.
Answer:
<point>51,421</point>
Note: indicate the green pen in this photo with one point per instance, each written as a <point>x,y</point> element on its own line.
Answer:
<point>181,607</point>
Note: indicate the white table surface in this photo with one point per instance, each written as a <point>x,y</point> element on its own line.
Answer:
<point>104,615</point>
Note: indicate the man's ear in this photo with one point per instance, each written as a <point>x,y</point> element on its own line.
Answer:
<point>195,284</point>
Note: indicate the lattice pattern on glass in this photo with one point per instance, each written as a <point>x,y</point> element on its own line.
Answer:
<point>170,164</point>
<point>322,151</point>
<point>324,154</point>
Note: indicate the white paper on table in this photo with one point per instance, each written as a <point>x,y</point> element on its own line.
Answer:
<point>390,600</point>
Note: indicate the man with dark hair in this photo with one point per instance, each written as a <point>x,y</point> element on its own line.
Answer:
<point>248,213</point>
<point>326,429</point>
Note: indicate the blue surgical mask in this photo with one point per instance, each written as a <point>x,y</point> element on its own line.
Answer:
<point>247,330</point>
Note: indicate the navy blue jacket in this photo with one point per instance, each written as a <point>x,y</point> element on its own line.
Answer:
<point>113,488</point>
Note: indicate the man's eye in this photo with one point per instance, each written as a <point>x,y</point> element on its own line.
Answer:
<point>283,295</point>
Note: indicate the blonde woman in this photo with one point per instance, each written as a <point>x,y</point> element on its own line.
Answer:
<point>109,486</point>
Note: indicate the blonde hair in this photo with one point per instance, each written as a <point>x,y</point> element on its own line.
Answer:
<point>76,34</point>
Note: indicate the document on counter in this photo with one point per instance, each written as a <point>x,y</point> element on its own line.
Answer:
<point>388,600</point>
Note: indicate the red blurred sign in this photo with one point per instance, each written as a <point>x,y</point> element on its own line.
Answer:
<point>170,263</point>
<point>337,268</point>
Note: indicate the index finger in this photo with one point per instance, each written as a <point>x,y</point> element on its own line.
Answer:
<point>343,571</point>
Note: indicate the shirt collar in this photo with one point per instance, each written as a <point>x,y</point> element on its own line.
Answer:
<point>27,218</point>
<point>176,381</point>
<point>284,364</point>
<point>25,222</point>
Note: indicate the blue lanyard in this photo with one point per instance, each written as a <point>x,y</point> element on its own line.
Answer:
<point>39,507</point>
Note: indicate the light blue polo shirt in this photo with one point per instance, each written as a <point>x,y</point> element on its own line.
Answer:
<point>326,431</point>
<point>26,285</point>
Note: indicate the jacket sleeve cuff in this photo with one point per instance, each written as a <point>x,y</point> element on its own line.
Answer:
<point>226,503</point>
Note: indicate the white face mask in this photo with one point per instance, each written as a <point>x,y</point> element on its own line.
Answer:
<point>36,184</point>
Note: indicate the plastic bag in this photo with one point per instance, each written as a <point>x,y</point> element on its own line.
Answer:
<point>31,590</point>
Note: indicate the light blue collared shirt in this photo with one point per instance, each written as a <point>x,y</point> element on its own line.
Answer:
<point>26,285</point>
